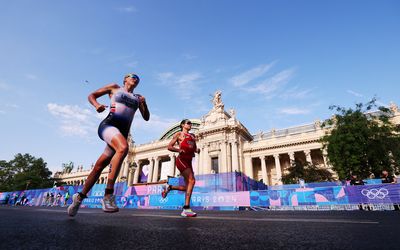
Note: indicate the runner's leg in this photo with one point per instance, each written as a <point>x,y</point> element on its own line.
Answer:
<point>101,163</point>
<point>189,181</point>
<point>120,145</point>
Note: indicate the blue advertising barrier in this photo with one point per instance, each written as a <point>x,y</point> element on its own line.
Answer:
<point>228,190</point>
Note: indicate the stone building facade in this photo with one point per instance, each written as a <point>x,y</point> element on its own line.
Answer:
<point>225,146</point>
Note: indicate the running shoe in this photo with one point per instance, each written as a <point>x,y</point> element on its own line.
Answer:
<point>108,204</point>
<point>165,190</point>
<point>73,208</point>
<point>188,213</point>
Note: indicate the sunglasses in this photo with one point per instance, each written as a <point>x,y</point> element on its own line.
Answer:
<point>189,123</point>
<point>134,77</point>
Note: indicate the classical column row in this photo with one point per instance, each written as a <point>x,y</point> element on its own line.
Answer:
<point>278,168</point>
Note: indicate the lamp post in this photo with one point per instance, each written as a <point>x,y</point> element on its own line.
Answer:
<point>27,184</point>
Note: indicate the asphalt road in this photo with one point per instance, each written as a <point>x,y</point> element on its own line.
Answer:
<point>52,228</point>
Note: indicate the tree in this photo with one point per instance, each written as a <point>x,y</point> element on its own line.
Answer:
<point>6,176</point>
<point>15,174</point>
<point>307,171</point>
<point>361,140</point>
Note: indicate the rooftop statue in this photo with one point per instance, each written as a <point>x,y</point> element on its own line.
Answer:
<point>217,100</point>
<point>67,167</point>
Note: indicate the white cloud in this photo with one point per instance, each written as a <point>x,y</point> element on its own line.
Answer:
<point>189,56</point>
<point>74,120</point>
<point>128,9</point>
<point>94,51</point>
<point>293,93</point>
<point>354,93</point>
<point>250,75</point>
<point>3,112</point>
<point>294,111</point>
<point>132,64</point>
<point>31,76</point>
<point>274,83</point>
<point>12,105</point>
<point>185,85</point>
<point>3,85</point>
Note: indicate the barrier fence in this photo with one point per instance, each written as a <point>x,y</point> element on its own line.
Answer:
<point>232,191</point>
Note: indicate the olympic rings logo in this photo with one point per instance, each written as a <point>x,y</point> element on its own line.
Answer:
<point>162,200</point>
<point>375,193</point>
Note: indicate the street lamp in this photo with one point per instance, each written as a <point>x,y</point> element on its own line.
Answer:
<point>27,184</point>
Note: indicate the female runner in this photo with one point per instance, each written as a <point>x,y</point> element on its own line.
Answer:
<point>113,130</point>
<point>187,148</point>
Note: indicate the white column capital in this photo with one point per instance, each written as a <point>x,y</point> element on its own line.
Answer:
<point>276,156</point>
<point>156,158</point>
<point>262,157</point>
<point>307,151</point>
<point>291,154</point>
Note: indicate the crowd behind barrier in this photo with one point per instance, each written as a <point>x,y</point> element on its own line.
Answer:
<point>230,191</point>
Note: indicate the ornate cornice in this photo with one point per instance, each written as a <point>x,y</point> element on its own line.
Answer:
<point>251,150</point>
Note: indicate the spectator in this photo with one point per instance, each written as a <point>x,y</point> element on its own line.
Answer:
<point>51,199</point>
<point>22,200</point>
<point>44,200</point>
<point>47,199</point>
<point>387,178</point>
<point>7,199</point>
<point>355,181</point>
<point>15,198</point>
<point>66,198</point>
<point>58,199</point>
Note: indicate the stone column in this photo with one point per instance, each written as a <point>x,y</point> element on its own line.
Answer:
<point>235,157</point>
<point>228,157</point>
<point>137,172</point>
<point>264,170</point>
<point>150,176</point>
<point>201,161</point>
<point>248,166</point>
<point>156,168</point>
<point>206,161</point>
<point>172,164</point>
<point>223,167</point>
<point>278,169</point>
<point>307,152</point>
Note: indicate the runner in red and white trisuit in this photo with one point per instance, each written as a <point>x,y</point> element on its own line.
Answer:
<point>187,148</point>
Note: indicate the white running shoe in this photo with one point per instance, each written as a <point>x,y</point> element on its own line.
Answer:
<point>188,213</point>
<point>165,190</point>
<point>73,208</point>
<point>108,204</point>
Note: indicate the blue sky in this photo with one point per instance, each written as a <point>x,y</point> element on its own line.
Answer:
<point>278,63</point>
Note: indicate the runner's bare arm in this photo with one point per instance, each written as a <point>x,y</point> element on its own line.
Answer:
<point>143,108</point>
<point>175,139</point>
<point>196,150</point>
<point>108,89</point>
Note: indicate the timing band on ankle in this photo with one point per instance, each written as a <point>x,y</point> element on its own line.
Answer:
<point>109,191</point>
<point>83,196</point>
<point>186,207</point>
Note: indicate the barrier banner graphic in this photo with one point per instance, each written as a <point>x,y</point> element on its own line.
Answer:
<point>384,193</point>
<point>223,199</point>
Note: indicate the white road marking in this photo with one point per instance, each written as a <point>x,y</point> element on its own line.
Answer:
<point>62,211</point>
<point>262,219</point>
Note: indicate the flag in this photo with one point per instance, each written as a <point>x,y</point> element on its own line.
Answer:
<point>61,188</point>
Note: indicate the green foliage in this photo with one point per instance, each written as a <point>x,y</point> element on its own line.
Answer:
<point>15,174</point>
<point>306,171</point>
<point>362,142</point>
